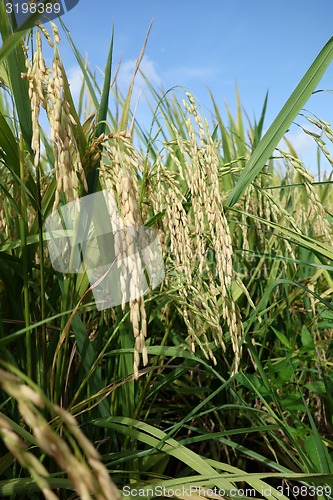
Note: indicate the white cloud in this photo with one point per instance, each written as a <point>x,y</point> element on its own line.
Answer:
<point>139,105</point>
<point>75,79</point>
<point>303,143</point>
<point>126,71</point>
<point>124,76</point>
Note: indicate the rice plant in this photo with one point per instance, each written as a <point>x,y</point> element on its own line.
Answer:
<point>217,383</point>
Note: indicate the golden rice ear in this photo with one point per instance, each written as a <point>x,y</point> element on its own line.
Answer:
<point>195,231</point>
<point>46,90</point>
<point>84,468</point>
<point>119,169</point>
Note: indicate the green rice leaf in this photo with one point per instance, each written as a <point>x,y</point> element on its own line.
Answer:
<point>280,125</point>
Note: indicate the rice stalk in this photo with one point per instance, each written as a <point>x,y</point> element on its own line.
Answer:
<point>193,232</point>
<point>119,172</point>
<point>46,89</point>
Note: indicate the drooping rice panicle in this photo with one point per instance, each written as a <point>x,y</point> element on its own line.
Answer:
<point>85,469</point>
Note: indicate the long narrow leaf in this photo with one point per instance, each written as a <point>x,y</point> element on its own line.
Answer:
<point>283,120</point>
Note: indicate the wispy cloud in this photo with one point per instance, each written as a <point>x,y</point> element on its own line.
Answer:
<point>124,76</point>
<point>147,67</point>
<point>75,79</point>
<point>303,143</point>
<point>148,72</point>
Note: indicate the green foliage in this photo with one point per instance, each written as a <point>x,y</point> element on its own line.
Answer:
<point>189,418</point>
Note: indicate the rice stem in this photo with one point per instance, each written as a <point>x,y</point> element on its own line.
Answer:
<point>25,265</point>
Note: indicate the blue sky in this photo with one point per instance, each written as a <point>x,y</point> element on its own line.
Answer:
<point>261,45</point>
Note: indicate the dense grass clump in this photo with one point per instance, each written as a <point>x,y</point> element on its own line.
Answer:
<point>218,380</point>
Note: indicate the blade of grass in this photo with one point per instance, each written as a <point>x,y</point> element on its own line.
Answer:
<point>19,86</point>
<point>126,109</point>
<point>92,178</point>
